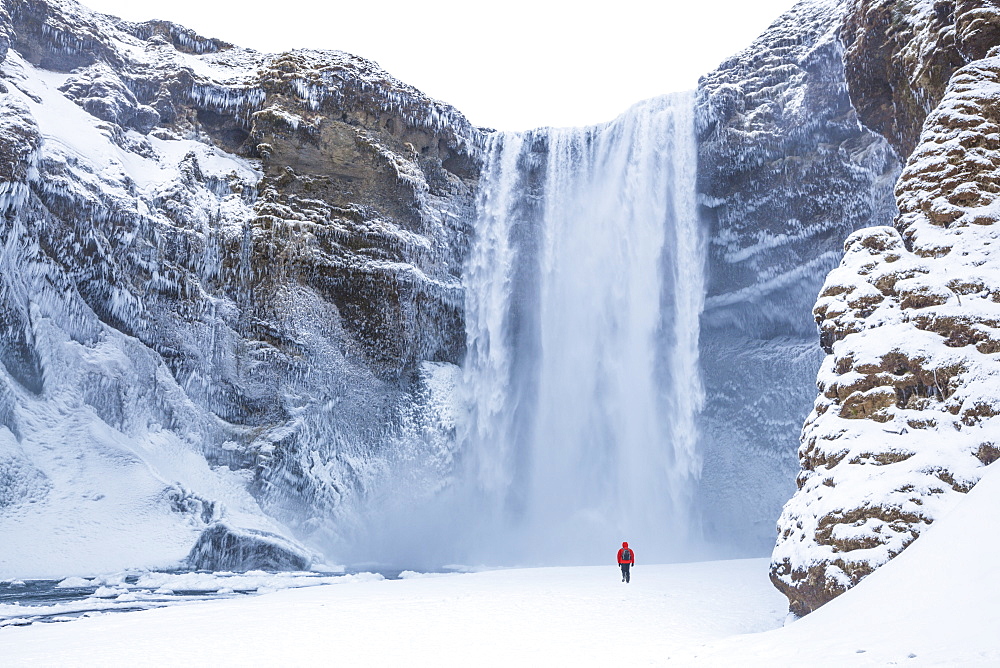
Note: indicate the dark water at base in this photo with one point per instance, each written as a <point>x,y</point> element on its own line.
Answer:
<point>25,602</point>
<point>33,601</point>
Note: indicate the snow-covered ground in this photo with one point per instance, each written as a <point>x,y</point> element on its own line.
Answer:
<point>571,616</point>
<point>935,604</point>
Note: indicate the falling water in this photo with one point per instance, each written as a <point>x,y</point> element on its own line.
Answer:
<point>584,292</point>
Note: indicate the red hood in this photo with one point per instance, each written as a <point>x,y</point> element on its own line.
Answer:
<point>625,544</point>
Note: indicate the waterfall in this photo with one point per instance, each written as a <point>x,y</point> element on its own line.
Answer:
<point>584,291</point>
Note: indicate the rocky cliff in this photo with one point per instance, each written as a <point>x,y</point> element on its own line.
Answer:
<point>227,277</point>
<point>906,417</point>
<point>786,172</point>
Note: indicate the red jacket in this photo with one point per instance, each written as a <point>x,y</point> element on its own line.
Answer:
<point>631,559</point>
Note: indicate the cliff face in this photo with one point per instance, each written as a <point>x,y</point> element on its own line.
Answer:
<point>238,270</point>
<point>233,280</point>
<point>899,56</point>
<point>906,418</point>
<point>786,172</point>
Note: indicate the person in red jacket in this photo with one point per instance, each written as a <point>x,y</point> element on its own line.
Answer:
<point>626,559</point>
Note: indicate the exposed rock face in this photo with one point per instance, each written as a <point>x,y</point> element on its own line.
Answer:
<point>900,55</point>
<point>910,389</point>
<point>977,27</point>
<point>250,258</point>
<point>786,172</point>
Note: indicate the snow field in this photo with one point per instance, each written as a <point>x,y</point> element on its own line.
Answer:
<point>565,616</point>
<point>936,604</point>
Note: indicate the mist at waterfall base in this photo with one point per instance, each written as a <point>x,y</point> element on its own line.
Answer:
<point>581,383</point>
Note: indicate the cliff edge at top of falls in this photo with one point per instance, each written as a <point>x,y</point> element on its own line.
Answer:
<point>907,415</point>
<point>229,284</point>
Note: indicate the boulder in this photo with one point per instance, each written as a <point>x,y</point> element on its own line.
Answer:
<point>222,547</point>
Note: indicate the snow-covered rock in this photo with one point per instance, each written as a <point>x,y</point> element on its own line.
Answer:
<point>907,415</point>
<point>224,548</point>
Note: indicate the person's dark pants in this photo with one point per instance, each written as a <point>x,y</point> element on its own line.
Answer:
<point>625,574</point>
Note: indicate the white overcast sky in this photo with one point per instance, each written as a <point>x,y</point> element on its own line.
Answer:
<point>511,65</point>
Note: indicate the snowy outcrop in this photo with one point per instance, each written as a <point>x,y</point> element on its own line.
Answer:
<point>786,172</point>
<point>221,274</point>
<point>910,389</point>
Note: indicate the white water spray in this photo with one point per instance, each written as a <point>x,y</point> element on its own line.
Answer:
<point>584,293</point>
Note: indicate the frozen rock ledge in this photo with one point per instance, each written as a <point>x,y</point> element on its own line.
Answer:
<point>222,547</point>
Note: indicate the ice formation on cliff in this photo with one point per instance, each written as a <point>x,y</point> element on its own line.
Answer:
<point>786,173</point>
